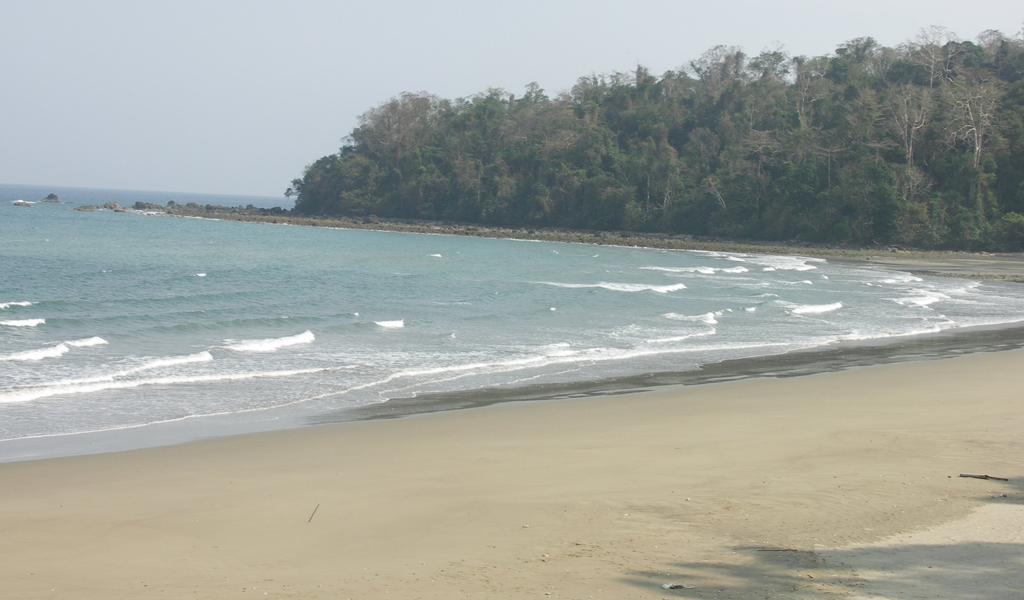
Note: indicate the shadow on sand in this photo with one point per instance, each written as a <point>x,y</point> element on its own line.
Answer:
<point>977,558</point>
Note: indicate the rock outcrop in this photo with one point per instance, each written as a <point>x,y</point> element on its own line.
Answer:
<point>20,203</point>
<point>52,198</point>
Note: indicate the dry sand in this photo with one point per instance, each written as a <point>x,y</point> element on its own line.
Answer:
<point>834,485</point>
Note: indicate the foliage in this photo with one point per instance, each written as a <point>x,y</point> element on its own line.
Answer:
<point>919,145</point>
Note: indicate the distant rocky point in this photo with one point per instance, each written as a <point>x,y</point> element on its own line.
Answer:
<point>114,206</point>
<point>51,198</point>
<point>21,203</point>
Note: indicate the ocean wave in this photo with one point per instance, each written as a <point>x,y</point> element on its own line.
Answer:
<point>620,287</point>
<point>28,394</point>
<point>785,263</point>
<point>87,342</point>
<point>23,322</point>
<point>701,270</point>
<point>815,309</point>
<point>40,354</point>
<point>901,278</point>
<point>390,324</point>
<point>173,361</point>
<point>271,345</point>
<point>683,338</point>
<point>707,317</point>
<point>924,299</point>
<point>4,305</point>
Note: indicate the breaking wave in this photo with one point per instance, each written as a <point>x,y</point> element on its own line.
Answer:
<point>620,287</point>
<point>271,345</point>
<point>23,322</point>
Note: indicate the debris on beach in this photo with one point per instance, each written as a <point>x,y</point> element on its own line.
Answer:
<point>974,476</point>
<point>676,586</point>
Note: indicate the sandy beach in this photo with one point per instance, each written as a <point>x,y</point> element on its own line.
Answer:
<point>834,485</point>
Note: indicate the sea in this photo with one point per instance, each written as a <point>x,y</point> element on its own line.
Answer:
<point>129,330</point>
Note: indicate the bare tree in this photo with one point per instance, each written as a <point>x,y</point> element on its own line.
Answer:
<point>929,52</point>
<point>906,110</point>
<point>975,99</point>
<point>809,87</point>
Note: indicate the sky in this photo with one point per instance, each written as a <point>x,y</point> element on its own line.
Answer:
<point>236,97</point>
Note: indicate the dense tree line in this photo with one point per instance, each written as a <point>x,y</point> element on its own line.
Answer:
<point>920,145</point>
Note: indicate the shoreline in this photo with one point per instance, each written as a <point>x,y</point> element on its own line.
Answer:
<point>797,486</point>
<point>984,266</point>
<point>808,362</point>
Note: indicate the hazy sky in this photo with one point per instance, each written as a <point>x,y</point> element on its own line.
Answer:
<point>237,97</point>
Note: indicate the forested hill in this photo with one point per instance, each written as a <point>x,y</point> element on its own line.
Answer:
<point>920,145</point>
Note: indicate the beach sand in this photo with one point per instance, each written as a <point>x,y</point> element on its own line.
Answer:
<point>833,485</point>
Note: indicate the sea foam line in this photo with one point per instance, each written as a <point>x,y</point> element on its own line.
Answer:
<point>203,356</point>
<point>54,351</point>
<point>87,342</point>
<point>40,354</point>
<point>708,318</point>
<point>620,287</point>
<point>815,309</point>
<point>271,345</point>
<point>390,324</point>
<point>23,322</point>
<point>4,305</point>
<point>701,270</point>
<point>35,393</point>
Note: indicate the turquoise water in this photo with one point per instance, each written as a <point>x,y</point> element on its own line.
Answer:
<point>113,321</point>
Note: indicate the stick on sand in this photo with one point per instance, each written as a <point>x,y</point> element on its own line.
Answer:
<point>983,476</point>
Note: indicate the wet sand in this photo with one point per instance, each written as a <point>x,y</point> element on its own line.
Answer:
<point>831,485</point>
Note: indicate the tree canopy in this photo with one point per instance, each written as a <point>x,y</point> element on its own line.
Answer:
<point>920,145</point>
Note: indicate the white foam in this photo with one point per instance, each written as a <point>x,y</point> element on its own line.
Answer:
<point>902,278</point>
<point>51,352</point>
<point>160,363</point>
<point>65,388</point>
<point>924,299</point>
<point>785,263</point>
<point>23,322</point>
<point>4,305</point>
<point>683,338</point>
<point>271,345</point>
<point>702,270</point>
<point>87,342</point>
<point>200,274</point>
<point>390,324</point>
<point>708,318</point>
<point>435,256</point>
<point>620,287</point>
<point>816,309</point>
<point>558,350</point>
<point>751,309</point>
